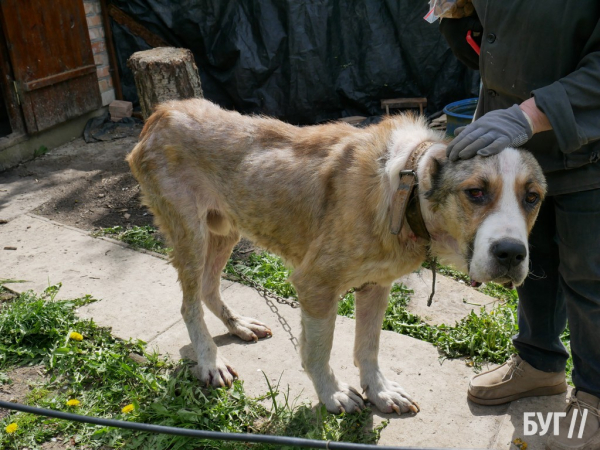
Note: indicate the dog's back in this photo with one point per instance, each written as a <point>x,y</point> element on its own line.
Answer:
<point>195,160</point>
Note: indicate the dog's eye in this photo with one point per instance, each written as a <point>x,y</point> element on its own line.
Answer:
<point>532,198</point>
<point>475,194</point>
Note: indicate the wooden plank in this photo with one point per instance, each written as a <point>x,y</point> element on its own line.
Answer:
<point>404,102</point>
<point>7,87</point>
<point>135,27</point>
<point>44,109</point>
<point>52,60</point>
<point>57,78</point>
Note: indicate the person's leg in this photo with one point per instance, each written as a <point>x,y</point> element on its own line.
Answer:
<point>541,310</point>
<point>578,230</point>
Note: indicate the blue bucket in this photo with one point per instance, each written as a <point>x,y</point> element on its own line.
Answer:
<point>459,114</point>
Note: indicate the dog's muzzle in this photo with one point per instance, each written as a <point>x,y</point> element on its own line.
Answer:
<point>509,253</point>
<point>509,256</point>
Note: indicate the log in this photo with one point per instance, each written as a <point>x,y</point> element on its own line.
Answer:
<point>163,74</point>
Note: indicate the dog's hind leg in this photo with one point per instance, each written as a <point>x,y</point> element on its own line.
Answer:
<point>319,311</point>
<point>219,249</point>
<point>388,396</point>
<point>189,240</point>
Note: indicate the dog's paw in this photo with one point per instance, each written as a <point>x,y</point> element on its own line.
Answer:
<point>343,399</point>
<point>248,328</point>
<point>389,397</point>
<point>217,375</point>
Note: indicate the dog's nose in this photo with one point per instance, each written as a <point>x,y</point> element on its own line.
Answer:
<point>509,252</point>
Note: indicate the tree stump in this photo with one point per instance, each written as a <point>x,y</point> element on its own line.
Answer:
<point>163,74</point>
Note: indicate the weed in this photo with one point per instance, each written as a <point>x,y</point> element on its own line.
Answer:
<point>100,374</point>
<point>145,237</point>
<point>40,151</point>
<point>266,269</point>
<point>486,336</point>
<point>482,337</point>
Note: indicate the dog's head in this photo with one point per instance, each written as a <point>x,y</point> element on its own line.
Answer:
<point>482,210</point>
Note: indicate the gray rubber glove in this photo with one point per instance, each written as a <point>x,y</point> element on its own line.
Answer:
<point>491,133</point>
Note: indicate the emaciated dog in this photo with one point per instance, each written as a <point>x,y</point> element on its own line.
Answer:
<point>324,198</point>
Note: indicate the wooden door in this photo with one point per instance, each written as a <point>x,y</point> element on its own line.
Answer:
<point>52,60</point>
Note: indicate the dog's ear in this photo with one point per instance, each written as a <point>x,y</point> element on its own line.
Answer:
<point>434,170</point>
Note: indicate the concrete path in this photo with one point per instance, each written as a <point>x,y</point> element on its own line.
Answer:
<point>140,298</point>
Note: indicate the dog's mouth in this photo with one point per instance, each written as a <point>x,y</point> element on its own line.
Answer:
<point>505,280</point>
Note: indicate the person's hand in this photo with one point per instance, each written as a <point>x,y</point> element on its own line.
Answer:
<point>491,133</point>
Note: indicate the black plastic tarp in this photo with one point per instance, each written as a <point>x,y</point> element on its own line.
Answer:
<point>304,61</point>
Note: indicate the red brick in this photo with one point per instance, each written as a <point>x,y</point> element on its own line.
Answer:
<point>93,21</point>
<point>105,84</point>
<point>89,8</point>
<point>96,33</point>
<point>119,109</point>
<point>98,47</point>
<point>101,59</point>
<point>102,72</point>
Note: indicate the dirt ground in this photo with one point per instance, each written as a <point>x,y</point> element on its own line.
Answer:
<point>91,186</point>
<point>22,379</point>
<point>104,196</point>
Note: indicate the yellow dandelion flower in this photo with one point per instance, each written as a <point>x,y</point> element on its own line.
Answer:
<point>520,443</point>
<point>11,428</point>
<point>73,402</point>
<point>75,336</point>
<point>127,409</point>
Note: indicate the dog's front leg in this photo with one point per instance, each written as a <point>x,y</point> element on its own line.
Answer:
<point>388,396</point>
<point>318,324</point>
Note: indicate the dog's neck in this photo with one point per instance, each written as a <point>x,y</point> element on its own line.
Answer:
<point>405,201</point>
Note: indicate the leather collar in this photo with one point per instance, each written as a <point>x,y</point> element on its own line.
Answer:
<point>405,201</point>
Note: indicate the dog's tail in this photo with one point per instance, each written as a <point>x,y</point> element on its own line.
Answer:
<point>144,165</point>
<point>136,157</point>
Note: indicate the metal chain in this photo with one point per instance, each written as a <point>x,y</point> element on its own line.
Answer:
<point>264,291</point>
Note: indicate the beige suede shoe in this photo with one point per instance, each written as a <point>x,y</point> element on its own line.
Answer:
<point>513,380</point>
<point>590,434</point>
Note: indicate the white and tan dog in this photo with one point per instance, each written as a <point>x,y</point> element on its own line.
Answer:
<point>320,197</point>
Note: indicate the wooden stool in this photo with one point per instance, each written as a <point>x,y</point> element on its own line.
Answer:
<point>352,120</point>
<point>414,102</point>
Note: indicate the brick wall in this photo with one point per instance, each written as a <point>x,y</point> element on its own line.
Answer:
<point>94,22</point>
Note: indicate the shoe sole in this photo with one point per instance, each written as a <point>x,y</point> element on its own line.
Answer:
<point>537,392</point>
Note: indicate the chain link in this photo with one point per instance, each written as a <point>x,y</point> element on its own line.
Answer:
<point>266,293</point>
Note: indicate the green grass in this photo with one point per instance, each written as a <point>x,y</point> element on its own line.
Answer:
<point>40,151</point>
<point>267,270</point>
<point>145,237</point>
<point>482,337</point>
<point>100,373</point>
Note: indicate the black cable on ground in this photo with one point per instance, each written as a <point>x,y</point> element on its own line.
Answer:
<point>211,435</point>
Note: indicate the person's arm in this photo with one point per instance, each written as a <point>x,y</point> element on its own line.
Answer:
<point>569,106</point>
<point>537,119</point>
<point>572,104</point>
